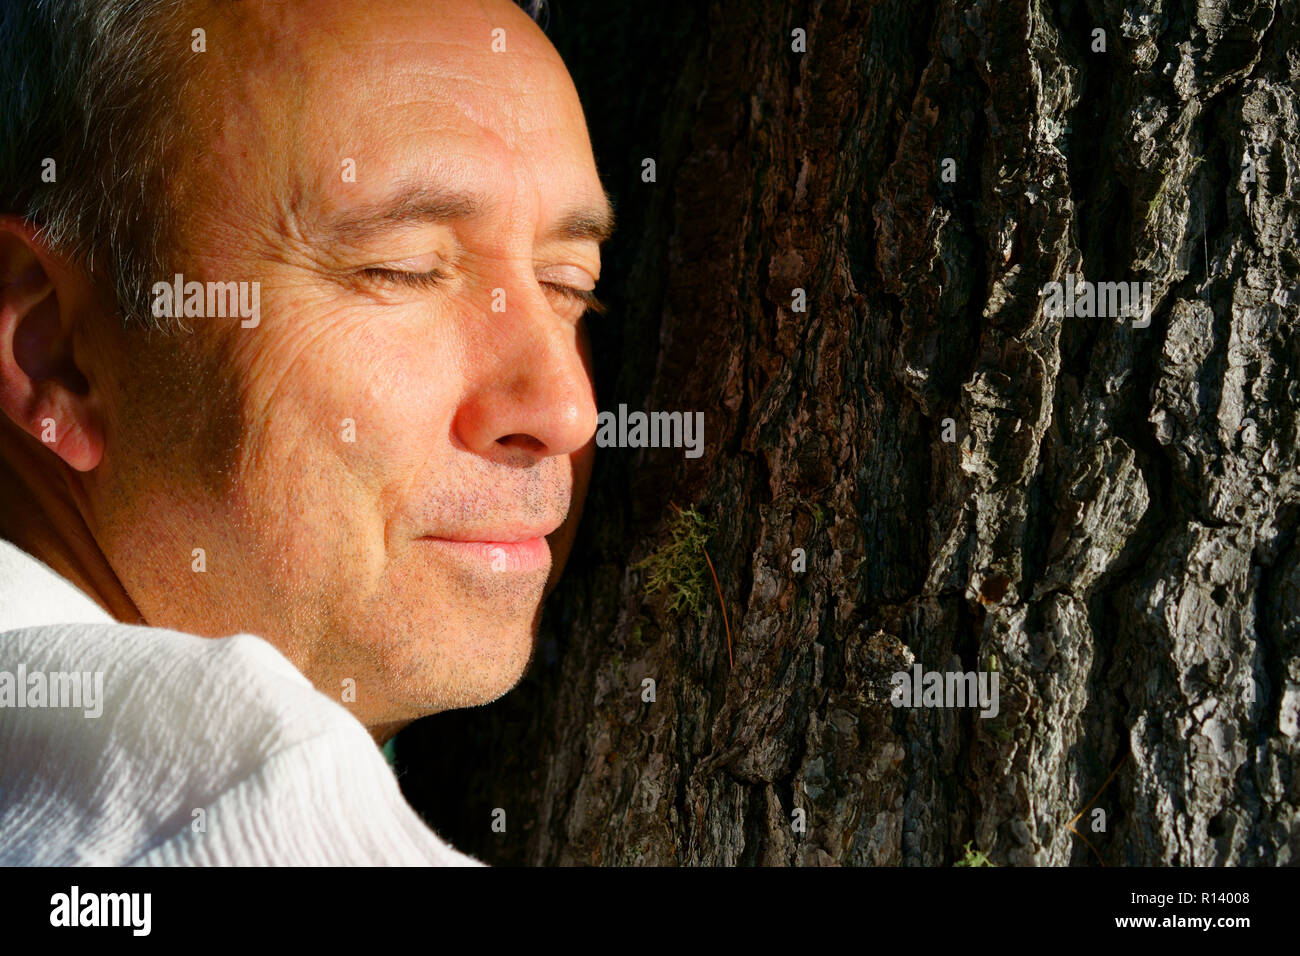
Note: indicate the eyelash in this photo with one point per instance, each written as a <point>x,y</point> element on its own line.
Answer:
<point>434,278</point>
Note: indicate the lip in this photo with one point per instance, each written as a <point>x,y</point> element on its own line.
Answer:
<point>503,534</point>
<point>504,552</point>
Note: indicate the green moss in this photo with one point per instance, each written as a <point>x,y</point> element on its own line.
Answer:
<point>1164,186</point>
<point>680,566</point>
<point>639,627</point>
<point>974,858</point>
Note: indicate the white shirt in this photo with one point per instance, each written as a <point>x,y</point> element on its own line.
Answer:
<point>206,751</point>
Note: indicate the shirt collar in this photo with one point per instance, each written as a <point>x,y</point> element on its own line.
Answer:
<point>33,594</point>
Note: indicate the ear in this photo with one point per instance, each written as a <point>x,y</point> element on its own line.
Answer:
<point>43,388</point>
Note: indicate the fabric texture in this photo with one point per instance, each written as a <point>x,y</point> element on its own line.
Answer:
<point>206,751</point>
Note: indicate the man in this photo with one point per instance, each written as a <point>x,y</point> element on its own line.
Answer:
<point>297,410</point>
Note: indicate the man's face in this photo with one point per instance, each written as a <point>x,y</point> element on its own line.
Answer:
<point>375,470</point>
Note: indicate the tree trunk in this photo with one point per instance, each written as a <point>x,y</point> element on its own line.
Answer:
<point>1112,526</point>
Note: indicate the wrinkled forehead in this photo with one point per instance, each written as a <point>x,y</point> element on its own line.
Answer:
<point>329,103</point>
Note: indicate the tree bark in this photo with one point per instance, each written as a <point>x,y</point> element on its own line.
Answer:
<point>1113,528</point>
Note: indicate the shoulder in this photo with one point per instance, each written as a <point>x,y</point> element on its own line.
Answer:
<point>158,686</point>
<point>173,730</point>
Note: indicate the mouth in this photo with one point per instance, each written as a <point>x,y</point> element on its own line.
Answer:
<point>502,550</point>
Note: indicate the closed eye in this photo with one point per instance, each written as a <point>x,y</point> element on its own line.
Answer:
<point>585,296</point>
<point>418,280</point>
<point>435,277</point>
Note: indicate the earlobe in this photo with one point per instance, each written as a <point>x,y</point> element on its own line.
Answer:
<point>42,389</point>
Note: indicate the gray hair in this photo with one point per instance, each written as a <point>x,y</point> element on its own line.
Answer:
<point>82,84</point>
<point>82,88</point>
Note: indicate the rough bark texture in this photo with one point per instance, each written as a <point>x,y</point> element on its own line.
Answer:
<point>1114,527</point>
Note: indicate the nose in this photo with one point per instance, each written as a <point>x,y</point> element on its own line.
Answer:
<point>532,395</point>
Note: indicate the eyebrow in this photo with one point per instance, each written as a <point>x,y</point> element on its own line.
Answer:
<point>595,224</point>
<point>408,205</point>
<point>429,203</point>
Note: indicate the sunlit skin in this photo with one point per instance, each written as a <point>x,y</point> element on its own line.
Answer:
<point>404,563</point>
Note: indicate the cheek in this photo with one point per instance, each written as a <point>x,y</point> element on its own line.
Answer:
<point>389,394</point>
<point>340,425</point>
<point>369,397</point>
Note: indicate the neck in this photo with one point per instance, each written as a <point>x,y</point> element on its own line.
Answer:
<point>382,733</point>
<point>42,514</point>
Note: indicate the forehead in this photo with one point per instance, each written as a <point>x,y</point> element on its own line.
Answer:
<point>329,105</point>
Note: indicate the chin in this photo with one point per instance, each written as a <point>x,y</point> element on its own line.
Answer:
<point>478,666</point>
<point>440,637</point>
<point>489,681</point>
